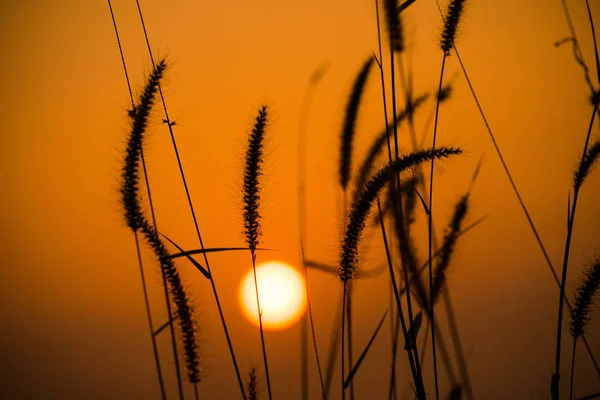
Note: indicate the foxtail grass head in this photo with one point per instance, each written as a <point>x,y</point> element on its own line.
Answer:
<point>252,172</point>
<point>130,174</point>
<point>347,137</point>
<point>136,220</point>
<point>448,246</point>
<point>584,298</point>
<point>453,14</point>
<point>362,203</point>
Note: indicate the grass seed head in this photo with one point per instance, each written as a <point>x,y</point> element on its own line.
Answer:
<point>453,14</point>
<point>252,172</point>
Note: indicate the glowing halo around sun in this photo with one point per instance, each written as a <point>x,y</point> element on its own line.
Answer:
<point>281,293</point>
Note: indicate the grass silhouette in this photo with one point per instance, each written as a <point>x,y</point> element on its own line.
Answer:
<point>417,290</point>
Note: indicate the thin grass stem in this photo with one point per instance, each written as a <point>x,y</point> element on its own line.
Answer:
<point>149,316</point>
<point>181,171</point>
<point>262,336</point>
<point>572,369</point>
<point>430,232</point>
<point>344,294</point>
<point>410,355</point>
<point>144,286</point>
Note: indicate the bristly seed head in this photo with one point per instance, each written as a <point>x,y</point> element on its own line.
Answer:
<point>130,177</point>
<point>584,299</point>
<point>362,205</point>
<point>452,18</point>
<point>137,221</point>
<point>252,171</point>
<point>439,278</point>
<point>347,137</point>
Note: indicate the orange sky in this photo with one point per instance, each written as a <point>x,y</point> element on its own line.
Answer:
<point>72,317</point>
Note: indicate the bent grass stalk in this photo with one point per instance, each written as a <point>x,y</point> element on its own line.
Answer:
<point>361,206</point>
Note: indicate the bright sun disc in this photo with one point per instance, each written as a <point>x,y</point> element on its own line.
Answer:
<point>281,294</point>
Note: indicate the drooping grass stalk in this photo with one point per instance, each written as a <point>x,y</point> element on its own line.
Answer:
<point>252,225</point>
<point>588,159</point>
<point>307,318</point>
<point>137,244</point>
<point>582,305</point>
<point>192,211</point>
<point>361,207</point>
<point>136,220</point>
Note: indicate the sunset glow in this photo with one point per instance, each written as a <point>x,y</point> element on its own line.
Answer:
<point>281,294</point>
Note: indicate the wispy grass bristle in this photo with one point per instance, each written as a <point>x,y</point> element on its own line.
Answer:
<point>252,171</point>
<point>584,298</point>
<point>362,204</point>
<point>453,14</point>
<point>586,164</point>
<point>394,25</point>
<point>348,129</point>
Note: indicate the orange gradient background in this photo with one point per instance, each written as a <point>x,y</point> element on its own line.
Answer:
<point>71,306</point>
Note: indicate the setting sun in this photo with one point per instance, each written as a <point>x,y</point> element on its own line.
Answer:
<point>281,293</point>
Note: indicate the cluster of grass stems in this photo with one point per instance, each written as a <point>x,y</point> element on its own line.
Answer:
<point>398,190</point>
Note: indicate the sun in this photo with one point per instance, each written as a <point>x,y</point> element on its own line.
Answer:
<point>281,293</point>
